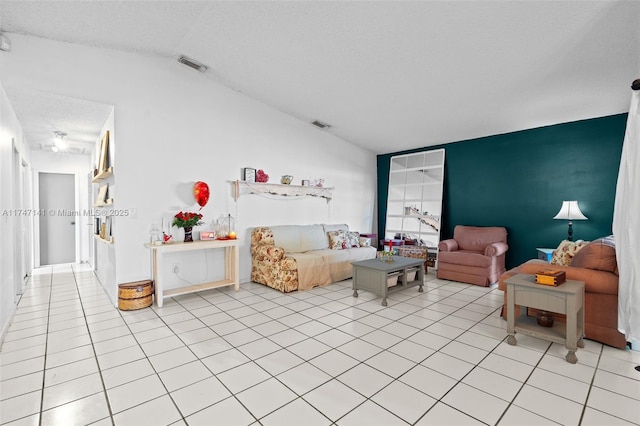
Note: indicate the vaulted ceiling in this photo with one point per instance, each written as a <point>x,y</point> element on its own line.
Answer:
<point>386,75</point>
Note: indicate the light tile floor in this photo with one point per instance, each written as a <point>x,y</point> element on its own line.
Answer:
<point>321,357</point>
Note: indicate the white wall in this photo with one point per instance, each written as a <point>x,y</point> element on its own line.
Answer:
<point>105,254</point>
<point>176,126</point>
<point>12,224</point>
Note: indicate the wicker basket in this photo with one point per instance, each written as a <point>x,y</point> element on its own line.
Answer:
<point>135,295</point>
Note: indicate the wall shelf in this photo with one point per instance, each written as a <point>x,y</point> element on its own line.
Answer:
<point>103,240</point>
<point>97,177</point>
<point>280,190</point>
<point>108,202</point>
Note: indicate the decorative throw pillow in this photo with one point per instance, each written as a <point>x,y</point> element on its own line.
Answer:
<point>338,240</point>
<point>364,241</point>
<point>565,252</point>
<point>353,239</point>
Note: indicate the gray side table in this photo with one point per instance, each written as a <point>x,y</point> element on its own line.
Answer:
<point>372,275</point>
<point>567,298</point>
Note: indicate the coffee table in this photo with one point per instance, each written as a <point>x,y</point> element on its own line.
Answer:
<point>372,275</point>
<point>567,298</point>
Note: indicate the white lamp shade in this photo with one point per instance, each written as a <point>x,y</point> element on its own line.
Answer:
<point>570,211</point>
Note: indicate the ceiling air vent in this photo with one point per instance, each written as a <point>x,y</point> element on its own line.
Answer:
<point>320,124</point>
<point>192,63</point>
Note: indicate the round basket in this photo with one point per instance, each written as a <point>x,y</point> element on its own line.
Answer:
<point>135,295</point>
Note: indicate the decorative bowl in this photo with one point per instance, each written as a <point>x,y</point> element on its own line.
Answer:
<point>286,179</point>
<point>544,318</point>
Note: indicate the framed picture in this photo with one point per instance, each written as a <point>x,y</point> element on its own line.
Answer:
<point>101,200</point>
<point>249,174</point>
<point>305,182</point>
<point>103,160</point>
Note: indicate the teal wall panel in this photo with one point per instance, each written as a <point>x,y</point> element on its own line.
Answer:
<point>518,180</point>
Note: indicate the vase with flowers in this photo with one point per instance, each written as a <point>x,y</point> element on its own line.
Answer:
<point>187,220</point>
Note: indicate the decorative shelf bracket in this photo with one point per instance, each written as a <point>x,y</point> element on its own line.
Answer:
<point>280,190</point>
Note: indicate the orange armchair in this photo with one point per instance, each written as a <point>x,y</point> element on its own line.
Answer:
<point>474,255</point>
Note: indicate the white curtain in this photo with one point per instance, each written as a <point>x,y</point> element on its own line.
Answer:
<point>626,226</point>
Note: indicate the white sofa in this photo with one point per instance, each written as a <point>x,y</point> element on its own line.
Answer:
<point>300,257</point>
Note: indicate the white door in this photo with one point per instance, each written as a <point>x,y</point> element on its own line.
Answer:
<point>58,223</point>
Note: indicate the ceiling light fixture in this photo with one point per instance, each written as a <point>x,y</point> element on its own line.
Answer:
<point>191,63</point>
<point>58,143</point>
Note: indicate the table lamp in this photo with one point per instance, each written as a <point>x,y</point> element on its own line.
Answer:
<point>570,211</point>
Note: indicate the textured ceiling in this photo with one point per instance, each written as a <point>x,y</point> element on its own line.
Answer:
<point>387,75</point>
<point>42,114</point>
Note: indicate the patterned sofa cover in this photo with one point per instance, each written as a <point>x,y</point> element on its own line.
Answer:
<point>300,257</point>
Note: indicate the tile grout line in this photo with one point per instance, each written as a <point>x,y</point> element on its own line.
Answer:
<point>319,300</point>
<point>46,346</point>
<point>95,355</point>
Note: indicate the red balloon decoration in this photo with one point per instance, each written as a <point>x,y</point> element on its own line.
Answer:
<point>201,193</point>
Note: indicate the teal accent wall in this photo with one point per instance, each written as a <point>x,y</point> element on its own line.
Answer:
<point>518,180</point>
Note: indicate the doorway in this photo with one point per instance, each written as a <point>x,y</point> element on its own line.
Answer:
<point>58,221</point>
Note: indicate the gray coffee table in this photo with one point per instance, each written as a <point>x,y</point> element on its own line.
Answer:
<point>372,275</point>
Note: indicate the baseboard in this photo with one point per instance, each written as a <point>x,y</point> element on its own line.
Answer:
<point>5,328</point>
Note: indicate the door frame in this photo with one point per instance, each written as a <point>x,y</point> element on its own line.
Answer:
<point>36,223</point>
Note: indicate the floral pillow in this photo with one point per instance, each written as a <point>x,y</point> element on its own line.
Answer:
<point>565,252</point>
<point>354,239</point>
<point>340,240</point>
<point>364,241</point>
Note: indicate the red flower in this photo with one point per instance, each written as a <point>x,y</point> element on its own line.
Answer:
<point>187,220</point>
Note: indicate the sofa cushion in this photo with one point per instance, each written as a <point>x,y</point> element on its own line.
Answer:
<point>464,257</point>
<point>599,254</point>
<point>299,238</point>
<point>565,252</point>
<point>335,227</point>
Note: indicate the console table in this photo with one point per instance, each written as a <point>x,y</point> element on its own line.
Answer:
<point>372,275</point>
<point>567,298</point>
<point>231,266</point>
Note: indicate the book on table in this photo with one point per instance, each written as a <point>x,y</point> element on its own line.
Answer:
<point>550,276</point>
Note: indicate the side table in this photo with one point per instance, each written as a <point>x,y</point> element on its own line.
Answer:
<point>567,298</point>
<point>545,254</point>
<point>231,266</point>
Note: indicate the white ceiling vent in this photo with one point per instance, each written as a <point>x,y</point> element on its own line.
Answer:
<point>320,124</point>
<point>192,63</point>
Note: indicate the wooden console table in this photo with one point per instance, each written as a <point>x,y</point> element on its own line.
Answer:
<point>567,298</point>
<point>231,266</point>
